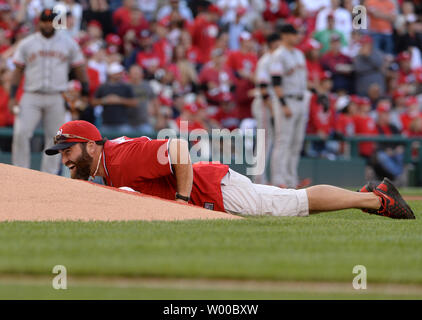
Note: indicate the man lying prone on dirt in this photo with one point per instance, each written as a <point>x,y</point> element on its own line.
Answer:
<point>163,168</point>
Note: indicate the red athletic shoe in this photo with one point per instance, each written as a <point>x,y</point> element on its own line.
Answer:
<point>392,203</point>
<point>369,187</point>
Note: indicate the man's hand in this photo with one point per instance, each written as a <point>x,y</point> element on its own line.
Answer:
<point>13,106</point>
<point>287,111</point>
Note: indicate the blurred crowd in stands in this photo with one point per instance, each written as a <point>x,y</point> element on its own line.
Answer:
<point>153,63</point>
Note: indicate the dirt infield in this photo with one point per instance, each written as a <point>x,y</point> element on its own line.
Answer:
<point>30,195</point>
<point>412,198</point>
<point>219,284</point>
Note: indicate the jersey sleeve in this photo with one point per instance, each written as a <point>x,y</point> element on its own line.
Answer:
<point>19,56</point>
<point>262,74</point>
<point>146,159</point>
<point>76,55</point>
<point>276,65</point>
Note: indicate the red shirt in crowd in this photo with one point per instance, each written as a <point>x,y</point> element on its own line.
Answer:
<point>122,19</point>
<point>148,59</point>
<point>94,80</point>
<point>164,50</point>
<point>228,119</point>
<point>330,60</point>
<point>239,61</point>
<point>411,77</point>
<point>242,61</point>
<point>345,125</point>
<point>365,125</point>
<point>319,119</point>
<point>143,165</point>
<point>315,71</point>
<point>192,125</point>
<point>223,77</point>
<point>275,10</point>
<point>306,25</point>
<point>204,34</point>
<point>193,54</point>
<point>6,118</point>
<point>407,118</point>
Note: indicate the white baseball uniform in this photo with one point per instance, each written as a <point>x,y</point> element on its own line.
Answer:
<point>263,114</point>
<point>241,196</point>
<point>47,63</point>
<point>290,132</point>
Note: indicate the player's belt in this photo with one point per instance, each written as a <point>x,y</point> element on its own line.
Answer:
<point>295,96</point>
<point>46,92</point>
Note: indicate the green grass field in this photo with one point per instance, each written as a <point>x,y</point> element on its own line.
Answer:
<point>319,251</point>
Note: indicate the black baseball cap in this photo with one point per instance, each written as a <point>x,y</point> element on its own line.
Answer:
<point>288,28</point>
<point>273,37</point>
<point>47,15</point>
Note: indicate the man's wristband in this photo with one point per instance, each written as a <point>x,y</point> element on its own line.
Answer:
<point>282,101</point>
<point>179,196</point>
<point>13,91</point>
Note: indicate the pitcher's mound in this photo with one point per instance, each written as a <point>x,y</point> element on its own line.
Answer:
<point>36,196</point>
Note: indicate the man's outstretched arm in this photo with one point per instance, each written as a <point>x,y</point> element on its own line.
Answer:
<point>182,166</point>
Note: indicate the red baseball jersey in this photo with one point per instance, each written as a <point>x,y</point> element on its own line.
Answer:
<point>149,59</point>
<point>365,125</point>
<point>413,76</point>
<point>143,165</point>
<point>345,125</point>
<point>320,120</point>
<point>240,61</point>
<point>315,70</point>
<point>204,34</point>
<point>407,118</point>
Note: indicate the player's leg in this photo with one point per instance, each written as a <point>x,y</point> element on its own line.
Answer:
<point>241,196</point>
<point>261,115</point>
<point>283,128</point>
<point>53,118</point>
<point>296,142</point>
<point>23,129</point>
<point>330,198</point>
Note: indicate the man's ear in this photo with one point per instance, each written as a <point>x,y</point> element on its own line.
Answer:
<point>90,148</point>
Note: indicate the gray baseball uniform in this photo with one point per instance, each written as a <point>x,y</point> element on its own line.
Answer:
<point>264,113</point>
<point>290,132</point>
<point>47,62</point>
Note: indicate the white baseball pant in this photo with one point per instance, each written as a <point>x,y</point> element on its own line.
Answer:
<point>288,142</point>
<point>263,115</point>
<point>34,107</point>
<point>241,196</point>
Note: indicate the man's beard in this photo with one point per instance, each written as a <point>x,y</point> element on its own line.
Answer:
<point>82,169</point>
<point>47,33</point>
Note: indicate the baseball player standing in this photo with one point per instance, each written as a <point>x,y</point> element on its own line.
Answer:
<point>264,108</point>
<point>289,79</point>
<point>163,168</point>
<point>45,58</point>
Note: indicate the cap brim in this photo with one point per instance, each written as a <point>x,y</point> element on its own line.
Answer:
<point>56,148</point>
